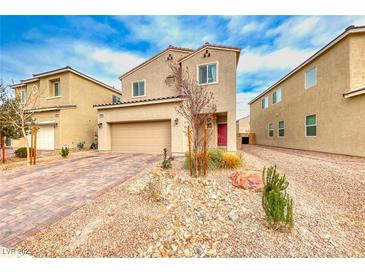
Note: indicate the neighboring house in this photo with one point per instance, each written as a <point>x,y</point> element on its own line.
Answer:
<point>64,114</point>
<point>243,125</point>
<point>320,105</point>
<point>146,119</point>
<point>243,131</point>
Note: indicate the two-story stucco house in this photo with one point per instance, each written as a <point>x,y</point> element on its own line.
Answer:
<point>146,120</point>
<point>320,105</point>
<point>64,113</point>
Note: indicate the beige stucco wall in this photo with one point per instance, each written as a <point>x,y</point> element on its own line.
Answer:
<point>154,74</point>
<point>243,125</point>
<point>225,90</point>
<point>357,61</point>
<point>340,121</point>
<point>74,124</point>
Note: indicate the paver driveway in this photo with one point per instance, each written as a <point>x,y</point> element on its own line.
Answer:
<point>35,197</point>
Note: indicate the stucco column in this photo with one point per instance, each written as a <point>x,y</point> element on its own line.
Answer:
<point>104,138</point>
<point>231,131</point>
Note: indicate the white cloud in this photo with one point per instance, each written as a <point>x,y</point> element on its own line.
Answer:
<point>311,31</point>
<point>285,58</point>
<point>102,63</point>
<point>162,31</point>
<point>242,99</point>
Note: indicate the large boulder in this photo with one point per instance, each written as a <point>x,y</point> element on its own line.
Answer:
<point>247,180</point>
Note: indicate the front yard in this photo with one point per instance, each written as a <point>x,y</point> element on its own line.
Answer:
<point>211,218</point>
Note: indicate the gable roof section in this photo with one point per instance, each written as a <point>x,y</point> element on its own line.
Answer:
<point>212,46</point>
<point>348,30</point>
<point>140,102</point>
<point>37,76</point>
<point>186,50</point>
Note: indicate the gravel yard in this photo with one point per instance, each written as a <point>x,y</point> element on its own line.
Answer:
<point>211,218</point>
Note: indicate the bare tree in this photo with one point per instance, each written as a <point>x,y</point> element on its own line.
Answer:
<point>18,111</point>
<point>197,106</point>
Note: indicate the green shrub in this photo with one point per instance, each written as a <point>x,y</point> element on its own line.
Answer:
<point>231,160</point>
<point>21,152</point>
<point>215,158</point>
<point>65,151</point>
<point>277,204</point>
<point>166,163</point>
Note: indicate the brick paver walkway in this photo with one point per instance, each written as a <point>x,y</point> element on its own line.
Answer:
<point>35,197</point>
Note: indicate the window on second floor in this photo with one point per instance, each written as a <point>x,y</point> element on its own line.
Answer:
<point>138,88</point>
<point>311,126</point>
<point>23,96</point>
<point>55,90</point>
<point>281,129</point>
<point>116,99</point>
<point>270,129</point>
<point>311,78</point>
<point>207,74</point>
<point>276,96</point>
<point>265,102</point>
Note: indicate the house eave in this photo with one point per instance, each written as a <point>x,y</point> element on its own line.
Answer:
<point>126,105</point>
<point>348,31</point>
<point>354,93</point>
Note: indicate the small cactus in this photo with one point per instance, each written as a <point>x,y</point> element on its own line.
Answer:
<point>277,204</point>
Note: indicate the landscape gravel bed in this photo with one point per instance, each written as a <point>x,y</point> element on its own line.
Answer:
<point>208,217</point>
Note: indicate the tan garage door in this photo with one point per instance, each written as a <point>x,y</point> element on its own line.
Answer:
<point>141,137</point>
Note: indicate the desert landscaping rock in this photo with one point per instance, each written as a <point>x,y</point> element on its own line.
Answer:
<point>209,217</point>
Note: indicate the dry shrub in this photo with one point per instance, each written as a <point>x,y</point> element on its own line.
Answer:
<point>231,160</point>
<point>154,187</point>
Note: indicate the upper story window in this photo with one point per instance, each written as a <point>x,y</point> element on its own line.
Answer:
<point>116,99</point>
<point>311,126</point>
<point>270,129</point>
<point>265,102</point>
<point>276,96</point>
<point>138,88</point>
<point>207,74</point>
<point>281,129</point>
<point>23,96</point>
<point>310,78</point>
<point>55,90</point>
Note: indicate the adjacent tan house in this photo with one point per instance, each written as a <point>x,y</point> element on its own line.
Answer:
<point>146,119</point>
<point>64,114</point>
<point>243,131</point>
<point>320,105</point>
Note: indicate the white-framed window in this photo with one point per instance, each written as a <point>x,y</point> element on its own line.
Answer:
<point>270,129</point>
<point>56,88</point>
<point>265,102</point>
<point>310,78</point>
<point>116,99</point>
<point>208,74</point>
<point>139,88</point>
<point>281,130</point>
<point>276,96</point>
<point>311,126</point>
<point>23,96</point>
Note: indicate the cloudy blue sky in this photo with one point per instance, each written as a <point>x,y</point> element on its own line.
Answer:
<point>106,46</point>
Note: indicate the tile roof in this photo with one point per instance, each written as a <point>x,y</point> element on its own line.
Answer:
<point>64,69</point>
<point>139,101</point>
<point>170,47</point>
<point>208,45</point>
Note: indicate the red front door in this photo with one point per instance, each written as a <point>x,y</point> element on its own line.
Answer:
<point>222,135</point>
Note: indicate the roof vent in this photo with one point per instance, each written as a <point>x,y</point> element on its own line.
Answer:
<point>350,27</point>
<point>206,43</point>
